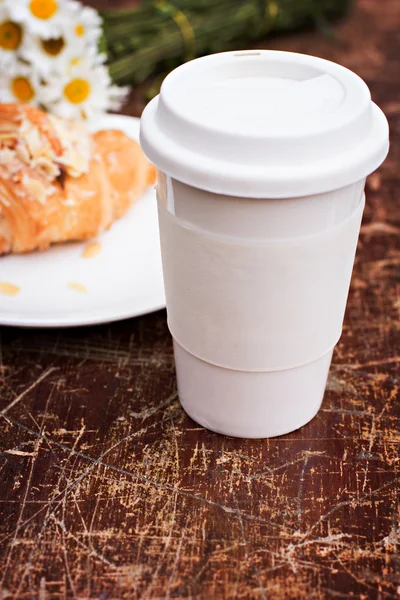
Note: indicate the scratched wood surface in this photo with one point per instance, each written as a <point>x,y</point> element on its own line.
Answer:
<point>109,491</point>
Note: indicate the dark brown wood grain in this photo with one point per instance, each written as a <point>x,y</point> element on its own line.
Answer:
<point>109,491</point>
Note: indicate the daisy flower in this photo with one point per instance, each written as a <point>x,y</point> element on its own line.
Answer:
<point>20,84</point>
<point>85,92</point>
<point>86,25</point>
<point>11,35</point>
<point>45,18</point>
<point>50,55</point>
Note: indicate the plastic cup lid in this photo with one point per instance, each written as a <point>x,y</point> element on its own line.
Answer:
<point>264,124</point>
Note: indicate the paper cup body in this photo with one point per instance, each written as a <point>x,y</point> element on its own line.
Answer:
<point>256,292</point>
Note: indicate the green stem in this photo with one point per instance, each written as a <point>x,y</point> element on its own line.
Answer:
<point>141,40</point>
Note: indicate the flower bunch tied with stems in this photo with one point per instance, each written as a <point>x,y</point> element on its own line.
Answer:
<point>50,57</point>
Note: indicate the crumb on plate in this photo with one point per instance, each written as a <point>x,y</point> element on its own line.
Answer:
<point>92,250</point>
<point>9,289</point>
<point>77,287</point>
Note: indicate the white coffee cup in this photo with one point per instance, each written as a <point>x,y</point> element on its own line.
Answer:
<point>262,158</point>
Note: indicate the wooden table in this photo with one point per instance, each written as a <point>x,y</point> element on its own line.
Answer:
<point>109,491</point>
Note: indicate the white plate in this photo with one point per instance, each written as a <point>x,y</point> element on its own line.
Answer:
<point>124,280</point>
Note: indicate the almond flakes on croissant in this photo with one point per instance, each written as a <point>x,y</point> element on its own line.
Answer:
<point>58,182</point>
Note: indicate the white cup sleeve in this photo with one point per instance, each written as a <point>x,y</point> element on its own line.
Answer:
<point>257,305</point>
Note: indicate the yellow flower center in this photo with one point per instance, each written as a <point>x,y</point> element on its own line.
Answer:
<point>53,46</point>
<point>77,90</point>
<point>22,89</point>
<point>43,9</point>
<point>10,35</point>
<point>79,30</point>
<point>75,62</point>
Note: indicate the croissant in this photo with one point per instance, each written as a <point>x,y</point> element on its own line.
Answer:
<point>58,182</point>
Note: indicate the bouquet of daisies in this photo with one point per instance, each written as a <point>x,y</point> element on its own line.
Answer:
<point>51,50</point>
<point>50,57</point>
